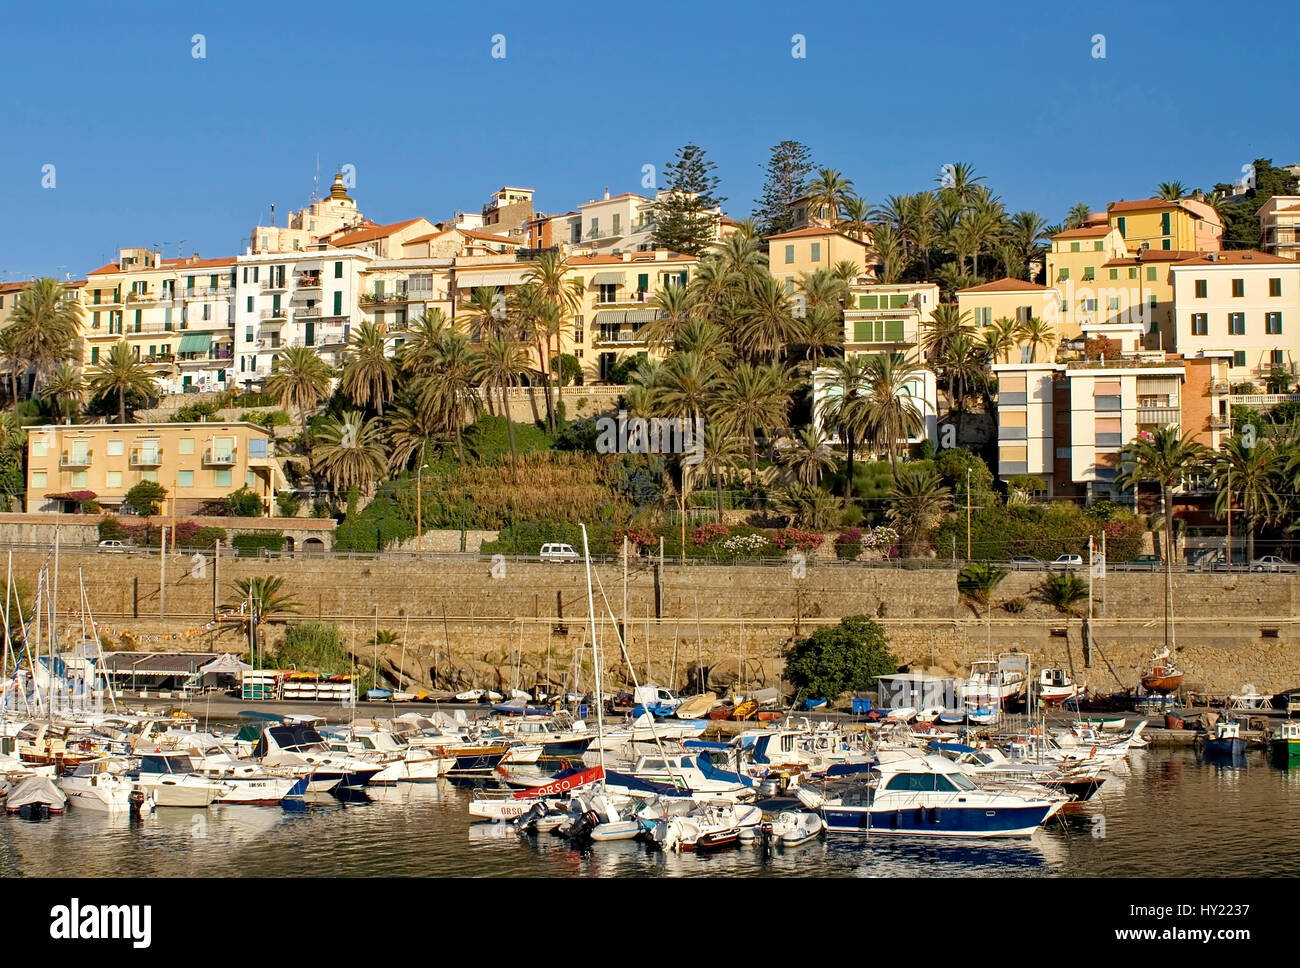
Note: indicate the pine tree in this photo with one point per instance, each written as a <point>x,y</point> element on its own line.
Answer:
<point>684,220</point>
<point>787,177</point>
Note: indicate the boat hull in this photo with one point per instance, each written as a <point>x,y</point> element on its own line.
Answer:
<point>1162,684</point>
<point>1018,821</point>
<point>179,795</point>
<point>1225,747</point>
<point>1286,750</point>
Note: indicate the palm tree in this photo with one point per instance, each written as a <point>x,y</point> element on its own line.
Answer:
<point>122,373</point>
<point>945,322</point>
<point>45,321</point>
<point>719,454</point>
<point>919,502</point>
<point>673,305</point>
<point>686,383</point>
<point>963,361</point>
<point>1246,479</point>
<point>1171,191</point>
<point>809,454</point>
<point>844,406</point>
<point>1000,338</point>
<point>13,364</point>
<point>369,374</point>
<point>918,226</point>
<point>65,391</point>
<point>829,192</point>
<point>349,450</point>
<point>888,249</point>
<point>892,413</point>
<point>409,430</point>
<point>750,399</point>
<point>768,324</point>
<point>858,212</point>
<point>807,506</point>
<point>1027,233</point>
<point>958,184</point>
<point>498,365</point>
<point>263,593</point>
<point>447,392</point>
<point>1166,460</point>
<point>422,339</point>
<point>739,258</point>
<point>551,276</point>
<point>1077,216</point>
<point>978,580</point>
<point>707,341</point>
<point>1035,332</point>
<point>486,312</point>
<point>299,380</point>
<point>820,331</point>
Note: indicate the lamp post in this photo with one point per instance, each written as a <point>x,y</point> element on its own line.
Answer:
<point>419,515</point>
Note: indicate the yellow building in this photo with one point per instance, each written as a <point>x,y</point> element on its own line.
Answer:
<point>1009,298</point>
<point>890,318</point>
<point>810,249</point>
<point>1074,261</point>
<point>195,462</point>
<point>1171,224</point>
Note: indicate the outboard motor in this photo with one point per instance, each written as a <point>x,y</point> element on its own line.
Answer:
<point>527,822</point>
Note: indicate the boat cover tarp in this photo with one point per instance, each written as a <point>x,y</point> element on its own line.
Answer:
<point>704,744</point>
<point>35,789</point>
<point>713,772</point>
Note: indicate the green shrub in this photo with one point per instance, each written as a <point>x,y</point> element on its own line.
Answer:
<point>110,529</point>
<point>90,507</point>
<point>320,509</point>
<point>197,411</point>
<point>849,545</point>
<point>289,503</point>
<point>253,542</point>
<point>1064,591</point>
<point>243,504</point>
<point>146,497</point>
<point>1014,605</point>
<point>204,537</point>
<point>266,418</point>
<point>848,656</point>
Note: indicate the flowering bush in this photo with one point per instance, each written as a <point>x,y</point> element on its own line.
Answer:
<point>880,539</point>
<point>797,538</point>
<point>642,537</point>
<point>707,533</point>
<point>849,544</point>
<point>745,545</point>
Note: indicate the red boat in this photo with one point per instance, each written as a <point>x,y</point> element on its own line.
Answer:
<point>1162,677</point>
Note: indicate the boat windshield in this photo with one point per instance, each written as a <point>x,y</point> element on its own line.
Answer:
<point>962,782</point>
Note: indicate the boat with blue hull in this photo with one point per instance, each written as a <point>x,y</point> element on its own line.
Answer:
<point>931,796</point>
<point>1226,740</point>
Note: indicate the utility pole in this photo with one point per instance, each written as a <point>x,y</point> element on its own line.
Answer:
<point>967,514</point>
<point>162,573</point>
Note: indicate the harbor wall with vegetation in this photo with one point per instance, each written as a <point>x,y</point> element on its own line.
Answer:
<point>470,622</point>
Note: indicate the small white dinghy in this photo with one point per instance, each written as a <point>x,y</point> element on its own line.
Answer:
<point>793,828</point>
<point>904,714</point>
<point>929,714</point>
<point>612,825</point>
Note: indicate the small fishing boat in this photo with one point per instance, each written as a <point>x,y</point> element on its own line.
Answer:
<point>1103,722</point>
<point>903,714</point>
<point>470,695</point>
<point>378,695</point>
<point>1055,687</point>
<point>1226,740</point>
<point>1163,677</point>
<point>696,706</point>
<point>101,785</point>
<point>1285,743</point>
<point>794,828</point>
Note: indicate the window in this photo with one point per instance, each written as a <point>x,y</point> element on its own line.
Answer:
<point>113,479</point>
<point>984,316</point>
<point>338,270</point>
<point>222,477</point>
<point>789,254</point>
<point>816,252</point>
<point>38,478</point>
<point>1089,274</point>
<point>1151,273</point>
<point>185,445</point>
<point>248,334</point>
<point>1202,288</point>
<point>256,447</point>
<point>1239,358</point>
<point>1132,272</point>
<point>1074,246</point>
<point>642,281</point>
<point>1114,273</point>
<point>1275,287</point>
<point>149,476</point>
<point>1273,324</point>
<point>607,293</point>
<point>1166,243</point>
<point>595,227</point>
<point>39,448</point>
<point>1164,224</point>
<point>1238,288</point>
<point>338,302</point>
<point>184,478</point>
<point>94,354</point>
<point>1065,274</point>
<point>275,339</point>
<point>1112,304</point>
<point>1275,358</point>
<point>1236,324</point>
<point>614,223</point>
<point>1122,225</point>
<point>249,307</point>
<point>115,448</point>
<point>1200,324</point>
<point>207,311</point>
<point>1088,305</point>
<point>1097,246</point>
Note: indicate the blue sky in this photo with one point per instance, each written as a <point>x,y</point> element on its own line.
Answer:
<point>153,145</point>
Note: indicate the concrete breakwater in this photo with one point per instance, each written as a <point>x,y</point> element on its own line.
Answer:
<point>468,621</point>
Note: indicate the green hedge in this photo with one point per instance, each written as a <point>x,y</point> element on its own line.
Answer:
<point>252,542</point>
<point>1044,531</point>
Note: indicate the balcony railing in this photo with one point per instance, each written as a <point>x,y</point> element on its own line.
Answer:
<point>621,336</point>
<point>271,285</point>
<point>1219,423</point>
<point>74,459</point>
<point>629,299</point>
<point>1220,386</point>
<point>146,456</point>
<point>371,299</point>
<point>219,458</point>
<point>281,313</point>
<point>224,289</point>
<point>309,282</point>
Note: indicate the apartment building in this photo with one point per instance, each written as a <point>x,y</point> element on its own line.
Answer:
<point>509,211</point>
<point>320,219</point>
<point>1240,306</point>
<point>1279,226</point>
<point>623,222</point>
<point>175,314</point>
<point>888,318</point>
<point>1171,224</point>
<point>195,462</point>
<point>809,249</point>
<point>1009,298</point>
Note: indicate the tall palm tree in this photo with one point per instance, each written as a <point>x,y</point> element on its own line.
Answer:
<point>750,399</point>
<point>559,285</point>
<point>410,428</point>
<point>1247,479</point>
<point>369,373</point>
<point>498,365</point>
<point>264,593</point>
<point>1171,191</point>
<point>65,391</point>
<point>45,321</point>
<point>12,362</point>
<point>739,258</point>
<point>889,252</point>
<point>1165,460</point>
<point>422,340</point>
<point>447,392</point>
<point>1000,338</point>
<point>963,363</point>
<point>892,413</point>
<point>809,454</point>
<point>946,321</point>
<point>1035,333</point>
<point>299,380</point>
<point>919,229</point>
<point>122,373</point>
<point>687,383</point>
<point>918,504</point>
<point>706,340</point>
<point>821,331</point>
<point>1077,216</point>
<point>858,212</point>
<point>829,192</point>
<point>487,313</point>
<point>674,308</point>
<point>844,406</point>
<point>350,450</point>
<point>719,454</point>
<point>768,325</point>
<point>958,183</point>
<point>1027,235</point>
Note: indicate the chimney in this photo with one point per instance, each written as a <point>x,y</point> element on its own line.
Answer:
<point>273,215</point>
<point>607,193</point>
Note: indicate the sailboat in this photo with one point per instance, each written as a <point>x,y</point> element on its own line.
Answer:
<point>1163,677</point>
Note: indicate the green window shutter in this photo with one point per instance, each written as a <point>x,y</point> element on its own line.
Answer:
<point>898,302</point>
<point>250,304</point>
<point>1166,244</point>
<point>862,331</point>
<point>1164,224</point>
<point>1097,246</point>
<point>1132,272</point>
<point>1089,273</point>
<point>338,270</point>
<point>1114,273</point>
<point>681,280</point>
<point>338,304</point>
<point>94,354</point>
<point>894,330</point>
<point>1065,273</point>
<point>1123,226</point>
<point>1151,273</point>
<point>789,254</point>
<point>642,281</point>
<point>870,302</point>
<point>816,252</point>
<point>1074,246</point>
<point>212,282</point>
<point>1239,358</point>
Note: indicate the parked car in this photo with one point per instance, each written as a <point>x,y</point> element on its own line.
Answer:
<point>114,547</point>
<point>1271,563</point>
<point>1142,563</point>
<point>1025,563</point>
<point>558,552</point>
<point>1066,562</point>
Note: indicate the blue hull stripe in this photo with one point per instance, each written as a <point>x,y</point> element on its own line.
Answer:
<point>937,821</point>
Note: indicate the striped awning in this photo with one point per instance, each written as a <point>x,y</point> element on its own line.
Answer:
<point>195,343</point>
<point>642,315</point>
<point>511,277</point>
<point>610,317</point>
<point>608,279</point>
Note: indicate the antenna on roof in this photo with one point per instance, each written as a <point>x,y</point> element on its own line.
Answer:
<point>315,182</point>
<point>180,247</point>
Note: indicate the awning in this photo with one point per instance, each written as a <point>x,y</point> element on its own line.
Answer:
<point>195,343</point>
<point>610,317</point>
<point>608,279</point>
<point>512,277</point>
<point>642,315</point>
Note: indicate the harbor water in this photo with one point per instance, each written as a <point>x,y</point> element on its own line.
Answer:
<point>1171,814</point>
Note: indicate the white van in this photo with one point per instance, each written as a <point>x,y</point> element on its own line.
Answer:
<point>558,552</point>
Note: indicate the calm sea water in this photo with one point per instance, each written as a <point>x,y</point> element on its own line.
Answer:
<point>1171,815</point>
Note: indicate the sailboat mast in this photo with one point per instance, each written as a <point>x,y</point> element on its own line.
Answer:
<point>4,695</point>
<point>595,652</point>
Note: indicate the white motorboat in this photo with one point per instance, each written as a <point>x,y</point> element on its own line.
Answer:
<point>693,773</point>
<point>102,785</point>
<point>414,765</point>
<point>793,828</point>
<point>1098,742</point>
<point>710,825</point>
<point>172,782</point>
<point>295,744</point>
<point>1055,687</point>
<point>995,682</point>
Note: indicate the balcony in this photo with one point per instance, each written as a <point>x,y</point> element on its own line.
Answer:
<point>281,314</point>
<point>75,458</point>
<point>370,300</point>
<point>308,281</point>
<point>159,358</point>
<point>219,457</point>
<point>225,289</point>
<point>271,285</point>
<point>628,300</point>
<point>1160,416</point>
<point>142,297</point>
<point>205,359</point>
<point>1219,422</point>
<point>1220,386</point>
<point>621,338</point>
<point>146,456</point>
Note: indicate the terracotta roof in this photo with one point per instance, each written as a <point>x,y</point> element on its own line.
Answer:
<point>14,286</point>
<point>1141,204</point>
<point>1153,255</point>
<point>486,236</point>
<point>1238,257</point>
<point>423,238</point>
<point>812,233</point>
<point>1007,284</point>
<point>104,270</point>
<point>1087,232</point>
<point>370,234</point>
<point>1289,208</point>
<point>198,263</point>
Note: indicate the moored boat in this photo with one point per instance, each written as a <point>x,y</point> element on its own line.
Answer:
<point>1285,743</point>
<point>1163,676</point>
<point>1226,741</point>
